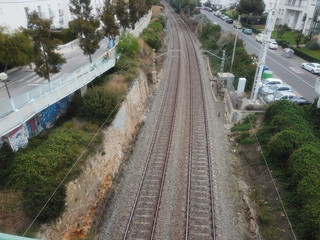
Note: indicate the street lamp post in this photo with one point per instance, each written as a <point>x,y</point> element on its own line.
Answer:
<point>3,78</point>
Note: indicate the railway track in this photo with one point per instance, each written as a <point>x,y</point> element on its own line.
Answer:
<point>143,218</point>
<point>200,214</point>
<point>199,200</point>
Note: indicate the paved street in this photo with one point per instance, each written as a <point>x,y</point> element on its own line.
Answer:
<point>24,79</point>
<point>287,69</point>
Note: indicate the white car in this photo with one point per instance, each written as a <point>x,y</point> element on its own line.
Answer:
<point>270,81</point>
<point>273,45</point>
<point>282,95</point>
<point>274,88</point>
<point>311,67</point>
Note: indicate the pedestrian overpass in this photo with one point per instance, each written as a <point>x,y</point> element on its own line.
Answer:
<point>19,109</point>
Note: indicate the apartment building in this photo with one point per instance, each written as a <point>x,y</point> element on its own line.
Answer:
<point>14,13</point>
<point>303,15</point>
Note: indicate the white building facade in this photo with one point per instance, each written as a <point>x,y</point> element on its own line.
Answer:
<point>223,3</point>
<point>299,15</point>
<point>14,13</point>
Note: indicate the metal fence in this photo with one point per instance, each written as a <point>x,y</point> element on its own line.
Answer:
<point>19,109</point>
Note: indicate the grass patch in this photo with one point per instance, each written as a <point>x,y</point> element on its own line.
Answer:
<point>313,53</point>
<point>245,139</point>
<point>241,127</point>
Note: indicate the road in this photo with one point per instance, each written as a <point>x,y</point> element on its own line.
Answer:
<point>287,69</point>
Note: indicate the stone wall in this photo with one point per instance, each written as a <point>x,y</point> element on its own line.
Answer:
<point>84,193</point>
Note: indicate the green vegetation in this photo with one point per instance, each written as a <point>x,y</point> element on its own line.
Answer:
<point>38,169</point>
<point>100,103</point>
<point>215,42</point>
<point>244,129</point>
<point>152,34</point>
<point>292,149</point>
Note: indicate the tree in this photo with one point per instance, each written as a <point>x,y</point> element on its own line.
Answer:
<point>298,37</point>
<point>111,28</point>
<point>46,59</point>
<point>133,14</point>
<point>122,13</point>
<point>84,25</point>
<point>18,43</point>
<point>281,29</point>
<point>251,6</point>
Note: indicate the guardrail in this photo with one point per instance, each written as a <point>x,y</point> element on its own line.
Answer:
<point>19,109</point>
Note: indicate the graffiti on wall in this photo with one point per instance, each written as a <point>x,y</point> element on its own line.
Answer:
<point>34,126</point>
<point>18,138</point>
<point>49,115</point>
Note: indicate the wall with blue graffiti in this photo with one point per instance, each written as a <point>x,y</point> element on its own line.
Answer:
<point>18,138</point>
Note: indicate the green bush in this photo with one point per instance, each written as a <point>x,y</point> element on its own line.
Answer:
<point>304,55</point>
<point>6,158</point>
<point>284,143</point>
<point>309,194</point>
<point>128,46</point>
<point>279,107</point>
<point>162,20</point>
<point>313,45</point>
<point>156,26</point>
<point>64,36</point>
<point>99,103</point>
<point>35,197</point>
<point>303,161</point>
<point>245,139</point>
<point>38,169</point>
<point>151,38</point>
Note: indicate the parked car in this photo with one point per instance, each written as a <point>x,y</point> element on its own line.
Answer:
<point>270,81</point>
<point>282,95</point>
<point>223,17</point>
<point>311,67</point>
<point>247,31</point>
<point>273,45</point>
<point>237,24</point>
<point>263,91</point>
<point>228,20</point>
<point>301,101</point>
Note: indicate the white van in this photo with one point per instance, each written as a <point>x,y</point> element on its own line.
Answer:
<point>259,37</point>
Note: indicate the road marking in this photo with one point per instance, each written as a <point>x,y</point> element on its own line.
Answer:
<point>296,70</point>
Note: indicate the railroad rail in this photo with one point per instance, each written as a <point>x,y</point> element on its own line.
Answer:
<point>143,218</point>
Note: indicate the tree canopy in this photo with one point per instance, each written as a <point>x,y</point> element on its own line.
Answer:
<point>111,28</point>
<point>46,59</point>
<point>18,43</point>
<point>251,6</point>
<point>85,26</point>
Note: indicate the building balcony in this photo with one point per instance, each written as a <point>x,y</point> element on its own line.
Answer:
<point>294,6</point>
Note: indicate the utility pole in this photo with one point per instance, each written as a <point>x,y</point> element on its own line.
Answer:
<point>154,71</point>
<point>263,53</point>
<point>234,46</point>
<point>222,60</point>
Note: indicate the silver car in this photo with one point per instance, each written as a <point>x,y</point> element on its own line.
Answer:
<point>282,95</point>
<point>263,91</point>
